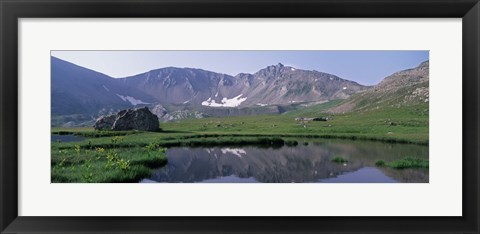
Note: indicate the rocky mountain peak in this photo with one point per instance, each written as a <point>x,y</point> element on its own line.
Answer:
<point>272,71</point>
<point>424,65</point>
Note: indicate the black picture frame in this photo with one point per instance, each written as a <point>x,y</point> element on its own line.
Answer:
<point>12,10</point>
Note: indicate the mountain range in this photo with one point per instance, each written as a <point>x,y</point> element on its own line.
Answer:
<point>79,95</point>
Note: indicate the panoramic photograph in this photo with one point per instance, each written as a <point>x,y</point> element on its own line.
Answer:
<point>306,116</point>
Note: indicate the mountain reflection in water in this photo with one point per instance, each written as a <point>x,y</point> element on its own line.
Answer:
<point>299,164</point>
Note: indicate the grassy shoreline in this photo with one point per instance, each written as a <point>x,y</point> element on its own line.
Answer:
<point>404,163</point>
<point>229,135</point>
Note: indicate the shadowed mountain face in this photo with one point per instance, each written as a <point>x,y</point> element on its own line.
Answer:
<point>77,90</point>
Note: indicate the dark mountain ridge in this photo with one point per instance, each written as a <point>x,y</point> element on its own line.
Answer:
<point>78,90</point>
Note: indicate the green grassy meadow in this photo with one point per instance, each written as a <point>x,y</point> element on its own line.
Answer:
<point>128,156</point>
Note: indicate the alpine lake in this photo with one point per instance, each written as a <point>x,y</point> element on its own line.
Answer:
<point>305,162</point>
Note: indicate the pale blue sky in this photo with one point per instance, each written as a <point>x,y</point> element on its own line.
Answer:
<point>364,67</point>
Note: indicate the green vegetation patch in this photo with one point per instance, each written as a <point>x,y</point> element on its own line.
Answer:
<point>380,163</point>
<point>408,162</point>
<point>338,159</point>
<point>104,165</point>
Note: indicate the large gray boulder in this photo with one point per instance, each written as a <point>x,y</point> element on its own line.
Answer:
<point>130,119</point>
<point>105,122</point>
<point>136,119</point>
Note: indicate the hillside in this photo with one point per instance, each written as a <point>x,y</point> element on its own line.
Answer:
<point>76,90</point>
<point>407,88</point>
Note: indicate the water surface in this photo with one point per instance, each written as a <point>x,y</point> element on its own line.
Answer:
<point>66,138</point>
<point>310,163</point>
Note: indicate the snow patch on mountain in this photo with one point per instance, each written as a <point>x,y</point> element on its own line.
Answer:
<point>225,102</point>
<point>132,100</point>
<point>108,90</point>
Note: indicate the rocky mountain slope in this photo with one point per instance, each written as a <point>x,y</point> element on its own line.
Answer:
<point>404,88</point>
<point>273,85</point>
